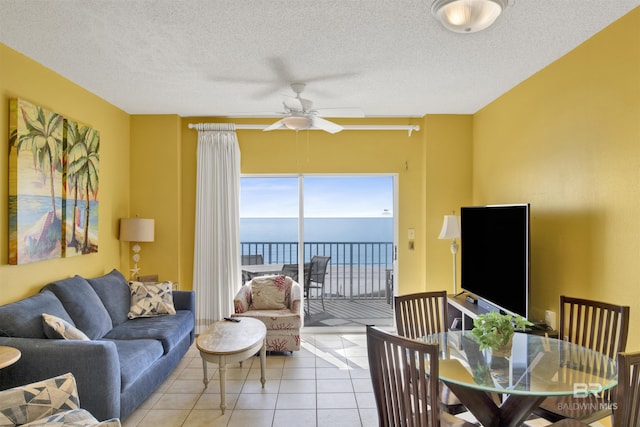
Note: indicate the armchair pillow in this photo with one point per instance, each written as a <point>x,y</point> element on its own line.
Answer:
<point>151,299</point>
<point>270,292</point>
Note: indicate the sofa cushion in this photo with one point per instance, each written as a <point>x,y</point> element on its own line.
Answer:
<point>83,305</point>
<point>170,330</point>
<point>113,290</point>
<point>269,292</point>
<point>56,328</point>
<point>136,356</point>
<point>24,318</point>
<point>151,299</point>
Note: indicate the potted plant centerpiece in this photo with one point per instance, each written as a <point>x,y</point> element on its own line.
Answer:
<point>495,331</point>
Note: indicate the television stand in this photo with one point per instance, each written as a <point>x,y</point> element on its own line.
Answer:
<point>461,314</point>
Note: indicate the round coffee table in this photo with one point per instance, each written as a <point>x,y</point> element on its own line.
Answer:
<point>227,342</point>
<point>8,356</point>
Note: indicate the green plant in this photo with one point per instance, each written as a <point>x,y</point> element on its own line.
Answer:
<point>494,330</point>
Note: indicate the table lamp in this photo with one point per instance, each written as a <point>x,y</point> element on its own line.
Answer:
<point>451,230</point>
<point>136,230</point>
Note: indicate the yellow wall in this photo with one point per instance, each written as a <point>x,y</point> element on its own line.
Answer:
<point>567,140</point>
<point>23,78</point>
<point>156,191</point>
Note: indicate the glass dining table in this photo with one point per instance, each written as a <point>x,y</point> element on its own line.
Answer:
<point>505,390</point>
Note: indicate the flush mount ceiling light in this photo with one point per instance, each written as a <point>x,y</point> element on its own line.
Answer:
<point>467,16</point>
<point>297,122</point>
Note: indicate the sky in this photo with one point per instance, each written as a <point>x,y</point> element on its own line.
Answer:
<point>324,196</point>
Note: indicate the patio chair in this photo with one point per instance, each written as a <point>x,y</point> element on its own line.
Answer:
<point>253,259</point>
<point>422,314</point>
<point>314,278</point>
<point>598,326</point>
<point>398,366</point>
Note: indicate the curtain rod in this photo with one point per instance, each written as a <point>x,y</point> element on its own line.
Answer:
<point>408,128</point>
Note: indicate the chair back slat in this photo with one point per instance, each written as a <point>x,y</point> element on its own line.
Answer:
<point>421,314</point>
<point>399,366</point>
<point>626,411</point>
<point>596,325</point>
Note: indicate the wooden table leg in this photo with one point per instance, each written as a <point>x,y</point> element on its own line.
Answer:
<point>263,362</point>
<point>513,411</point>
<point>223,379</point>
<point>205,380</point>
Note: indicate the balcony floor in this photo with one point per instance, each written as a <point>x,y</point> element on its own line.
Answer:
<point>342,313</point>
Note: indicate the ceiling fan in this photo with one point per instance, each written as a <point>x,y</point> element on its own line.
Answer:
<point>300,115</point>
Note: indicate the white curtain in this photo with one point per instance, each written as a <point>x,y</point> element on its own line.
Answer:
<point>216,264</point>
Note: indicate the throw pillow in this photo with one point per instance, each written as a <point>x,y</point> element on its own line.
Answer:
<point>56,328</point>
<point>151,299</point>
<point>268,292</point>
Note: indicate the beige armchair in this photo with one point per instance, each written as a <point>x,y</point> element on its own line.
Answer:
<point>275,300</point>
<point>52,402</point>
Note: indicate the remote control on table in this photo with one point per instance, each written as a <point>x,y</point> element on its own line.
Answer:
<point>231,319</point>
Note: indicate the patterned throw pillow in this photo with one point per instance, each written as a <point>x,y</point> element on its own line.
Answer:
<point>56,328</point>
<point>151,299</point>
<point>268,292</point>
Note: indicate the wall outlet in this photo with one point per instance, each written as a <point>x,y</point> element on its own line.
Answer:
<point>550,319</point>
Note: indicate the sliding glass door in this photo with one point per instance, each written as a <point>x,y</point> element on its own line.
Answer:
<point>345,222</point>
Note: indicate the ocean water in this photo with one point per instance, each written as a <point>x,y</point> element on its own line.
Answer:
<point>317,229</point>
<point>349,241</point>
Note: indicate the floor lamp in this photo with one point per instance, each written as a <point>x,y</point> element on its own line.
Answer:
<point>136,230</point>
<point>451,230</point>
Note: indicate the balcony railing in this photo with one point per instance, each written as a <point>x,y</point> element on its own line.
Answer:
<point>357,270</point>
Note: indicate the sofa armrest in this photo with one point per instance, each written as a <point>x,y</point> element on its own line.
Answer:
<point>296,298</point>
<point>94,364</point>
<point>24,404</point>
<point>242,299</point>
<point>184,300</point>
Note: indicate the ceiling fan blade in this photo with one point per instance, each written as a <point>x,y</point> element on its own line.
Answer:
<point>340,112</point>
<point>293,103</point>
<point>277,125</point>
<point>325,125</point>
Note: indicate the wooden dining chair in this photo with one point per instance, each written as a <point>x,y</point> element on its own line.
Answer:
<point>421,314</point>
<point>596,325</point>
<point>626,405</point>
<point>404,393</point>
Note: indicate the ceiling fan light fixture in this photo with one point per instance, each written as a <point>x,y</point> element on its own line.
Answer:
<point>467,16</point>
<point>297,122</point>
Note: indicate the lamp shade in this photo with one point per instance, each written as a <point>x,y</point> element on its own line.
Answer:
<point>136,229</point>
<point>450,227</point>
<point>467,16</point>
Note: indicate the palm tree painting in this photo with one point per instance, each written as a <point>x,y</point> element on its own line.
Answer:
<point>53,185</point>
<point>80,210</point>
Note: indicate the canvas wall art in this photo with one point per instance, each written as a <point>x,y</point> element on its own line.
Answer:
<point>53,185</point>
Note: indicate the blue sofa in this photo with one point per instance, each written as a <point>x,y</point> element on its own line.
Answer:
<point>125,359</point>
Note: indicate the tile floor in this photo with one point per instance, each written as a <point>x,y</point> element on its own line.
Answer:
<point>326,383</point>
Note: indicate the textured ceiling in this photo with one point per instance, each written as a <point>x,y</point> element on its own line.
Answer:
<point>219,58</point>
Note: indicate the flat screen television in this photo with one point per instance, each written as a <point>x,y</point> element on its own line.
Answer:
<point>495,257</point>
